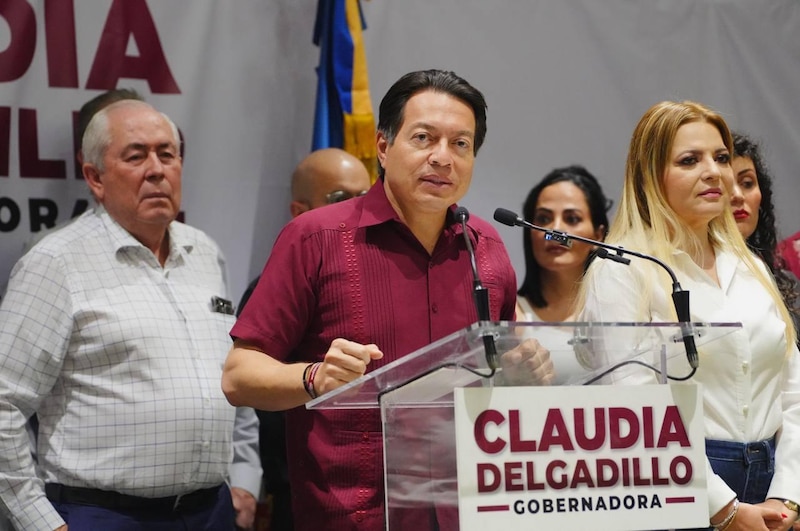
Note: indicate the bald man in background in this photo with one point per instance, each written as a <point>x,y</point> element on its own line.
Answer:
<point>324,177</point>
<point>327,176</point>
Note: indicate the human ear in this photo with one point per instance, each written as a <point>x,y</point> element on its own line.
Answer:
<point>600,233</point>
<point>93,180</point>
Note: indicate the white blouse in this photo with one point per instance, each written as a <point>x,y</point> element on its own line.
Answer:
<point>558,340</point>
<point>751,387</point>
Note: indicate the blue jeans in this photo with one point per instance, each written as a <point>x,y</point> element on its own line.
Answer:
<point>217,517</point>
<point>747,468</point>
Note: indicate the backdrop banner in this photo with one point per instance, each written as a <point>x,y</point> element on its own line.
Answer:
<point>565,83</point>
<point>222,71</point>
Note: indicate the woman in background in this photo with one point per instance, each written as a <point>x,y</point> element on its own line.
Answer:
<point>754,213</point>
<point>568,200</point>
<point>676,206</point>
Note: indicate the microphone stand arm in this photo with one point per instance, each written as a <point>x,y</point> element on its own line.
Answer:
<point>680,297</point>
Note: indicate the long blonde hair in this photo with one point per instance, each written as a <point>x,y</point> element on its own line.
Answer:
<point>646,221</point>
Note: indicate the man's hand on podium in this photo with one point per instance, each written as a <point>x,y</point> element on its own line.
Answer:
<point>527,364</point>
<point>344,362</point>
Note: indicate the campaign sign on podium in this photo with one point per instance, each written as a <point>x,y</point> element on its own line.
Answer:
<point>594,457</point>
<point>417,396</point>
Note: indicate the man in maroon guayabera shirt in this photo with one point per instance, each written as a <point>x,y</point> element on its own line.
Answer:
<point>358,284</point>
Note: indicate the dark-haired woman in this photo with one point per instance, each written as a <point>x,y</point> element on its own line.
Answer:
<point>754,212</point>
<point>569,200</point>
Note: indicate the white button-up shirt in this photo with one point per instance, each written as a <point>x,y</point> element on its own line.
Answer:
<point>121,358</point>
<point>751,386</point>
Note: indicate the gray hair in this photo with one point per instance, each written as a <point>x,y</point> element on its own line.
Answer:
<point>97,136</point>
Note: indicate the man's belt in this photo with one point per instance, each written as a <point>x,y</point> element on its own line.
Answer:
<point>192,501</point>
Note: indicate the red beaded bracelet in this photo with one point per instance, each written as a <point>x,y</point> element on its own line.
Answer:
<point>309,390</point>
<point>311,374</point>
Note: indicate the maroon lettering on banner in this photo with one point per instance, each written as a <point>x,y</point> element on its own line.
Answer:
<point>647,427</point>
<point>555,432</point>
<point>584,441</point>
<point>62,54</point>
<point>607,465</point>
<point>617,417</point>
<point>513,476</point>
<point>131,19</point>
<point>21,19</point>
<point>656,470</point>
<point>680,470</point>
<point>5,139</point>
<point>29,163</point>
<point>518,444</point>
<point>532,483</point>
<point>489,477</point>
<point>490,416</point>
<point>582,475</point>
<point>673,429</point>
<point>554,479</point>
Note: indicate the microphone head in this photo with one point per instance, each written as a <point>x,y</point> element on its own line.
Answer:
<point>506,217</point>
<point>462,214</point>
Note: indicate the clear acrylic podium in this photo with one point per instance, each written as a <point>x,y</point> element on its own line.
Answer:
<point>415,392</point>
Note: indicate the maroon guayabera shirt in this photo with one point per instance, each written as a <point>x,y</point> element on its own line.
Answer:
<point>354,270</point>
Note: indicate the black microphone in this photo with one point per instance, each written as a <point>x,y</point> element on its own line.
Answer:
<point>680,297</point>
<point>480,293</point>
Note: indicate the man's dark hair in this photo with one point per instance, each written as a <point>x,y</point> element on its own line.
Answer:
<point>390,117</point>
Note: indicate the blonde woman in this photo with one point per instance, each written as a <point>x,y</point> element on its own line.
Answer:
<point>676,206</point>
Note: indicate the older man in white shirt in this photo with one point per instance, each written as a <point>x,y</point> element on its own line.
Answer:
<point>114,330</point>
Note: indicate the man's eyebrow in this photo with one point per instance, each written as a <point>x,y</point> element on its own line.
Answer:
<point>431,127</point>
<point>136,146</point>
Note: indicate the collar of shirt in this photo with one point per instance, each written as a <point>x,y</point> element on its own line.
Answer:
<point>376,209</point>
<point>725,262</point>
<point>179,244</point>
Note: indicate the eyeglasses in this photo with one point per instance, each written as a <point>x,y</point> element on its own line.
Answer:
<point>338,196</point>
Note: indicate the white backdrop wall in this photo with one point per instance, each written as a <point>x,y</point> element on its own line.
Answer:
<point>565,80</point>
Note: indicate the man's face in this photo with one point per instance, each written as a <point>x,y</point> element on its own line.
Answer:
<point>429,165</point>
<point>140,186</point>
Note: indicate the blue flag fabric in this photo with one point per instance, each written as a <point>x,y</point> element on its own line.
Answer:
<point>343,115</point>
<point>332,35</point>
